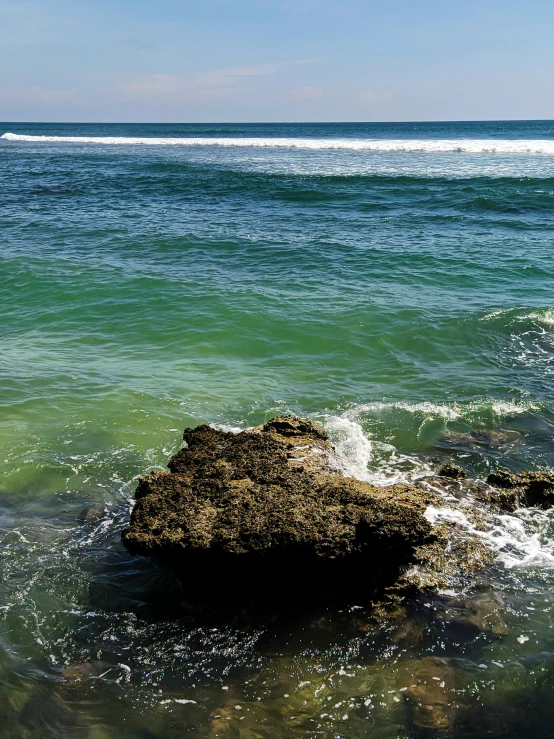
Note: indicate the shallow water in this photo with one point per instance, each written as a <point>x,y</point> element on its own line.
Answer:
<point>402,296</point>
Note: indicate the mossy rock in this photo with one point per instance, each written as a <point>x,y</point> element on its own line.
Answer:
<point>267,511</point>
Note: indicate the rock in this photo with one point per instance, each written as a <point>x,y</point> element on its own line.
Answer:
<point>503,499</point>
<point>83,671</point>
<point>463,618</point>
<point>430,683</point>
<point>453,471</point>
<point>484,613</point>
<point>296,427</point>
<point>522,489</point>
<point>266,511</point>
<point>492,439</point>
<point>448,562</point>
<point>92,515</point>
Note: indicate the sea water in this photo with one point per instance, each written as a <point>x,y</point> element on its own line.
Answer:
<point>393,282</point>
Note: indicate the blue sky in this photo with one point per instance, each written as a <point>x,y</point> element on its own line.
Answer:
<point>284,60</point>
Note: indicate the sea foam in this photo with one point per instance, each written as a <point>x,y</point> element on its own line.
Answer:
<point>448,411</point>
<point>434,146</point>
<point>369,459</point>
<point>523,539</point>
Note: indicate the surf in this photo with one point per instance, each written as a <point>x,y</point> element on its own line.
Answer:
<point>431,146</point>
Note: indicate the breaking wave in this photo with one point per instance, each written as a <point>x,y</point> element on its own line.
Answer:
<point>543,317</point>
<point>434,146</point>
<point>523,539</point>
<point>450,411</point>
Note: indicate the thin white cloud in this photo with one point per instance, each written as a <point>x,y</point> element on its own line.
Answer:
<point>164,85</point>
<point>37,96</point>
<point>220,77</point>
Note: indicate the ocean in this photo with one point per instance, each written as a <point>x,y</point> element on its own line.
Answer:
<point>390,281</point>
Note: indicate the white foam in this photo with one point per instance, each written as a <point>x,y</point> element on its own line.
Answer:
<point>511,408</point>
<point>497,314</point>
<point>523,539</point>
<point>468,146</point>
<point>228,428</point>
<point>544,316</point>
<point>353,447</point>
<point>447,411</point>
<point>368,459</point>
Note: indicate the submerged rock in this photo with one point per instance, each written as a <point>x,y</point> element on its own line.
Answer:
<point>268,510</point>
<point>430,682</point>
<point>488,438</point>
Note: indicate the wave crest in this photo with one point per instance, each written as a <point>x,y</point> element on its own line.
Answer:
<point>433,146</point>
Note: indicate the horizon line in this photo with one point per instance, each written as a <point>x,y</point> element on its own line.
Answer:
<point>276,123</point>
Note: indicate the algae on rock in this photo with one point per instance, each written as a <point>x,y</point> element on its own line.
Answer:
<point>268,510</point>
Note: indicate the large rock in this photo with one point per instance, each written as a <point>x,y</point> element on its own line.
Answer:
<point>268,510</point>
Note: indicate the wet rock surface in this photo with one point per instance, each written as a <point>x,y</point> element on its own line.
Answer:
<point>452,471</point>
<point>267,510</point>
<point>523,489</point>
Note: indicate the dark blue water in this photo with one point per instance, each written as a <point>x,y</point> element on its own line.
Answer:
<point>439,130</point>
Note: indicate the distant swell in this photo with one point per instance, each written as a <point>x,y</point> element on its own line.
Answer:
<point>469,146</point>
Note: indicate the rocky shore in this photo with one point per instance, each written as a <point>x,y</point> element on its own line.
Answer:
<point>268,511</point>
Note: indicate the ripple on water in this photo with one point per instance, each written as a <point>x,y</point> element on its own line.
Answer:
<point>403,298</point>
<point>89,629</point>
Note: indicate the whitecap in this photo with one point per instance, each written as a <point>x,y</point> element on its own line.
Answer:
<point>433,146</point>
<point>447,411</point>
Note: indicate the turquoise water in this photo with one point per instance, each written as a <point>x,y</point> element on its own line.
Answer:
<point>391,281</point>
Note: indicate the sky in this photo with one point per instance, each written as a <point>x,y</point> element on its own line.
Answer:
<point>276,60</point>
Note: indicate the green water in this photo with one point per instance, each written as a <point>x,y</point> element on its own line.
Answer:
<point>401,297</point>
